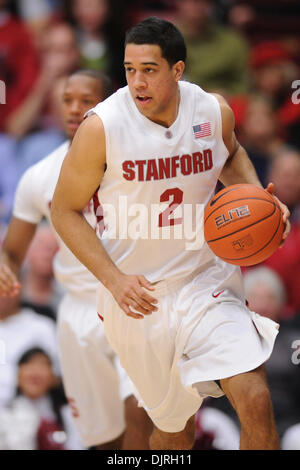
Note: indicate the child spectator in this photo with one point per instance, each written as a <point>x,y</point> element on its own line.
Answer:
<point>38,418</point>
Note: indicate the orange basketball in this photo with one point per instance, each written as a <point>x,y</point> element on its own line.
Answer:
<point>243,224</point>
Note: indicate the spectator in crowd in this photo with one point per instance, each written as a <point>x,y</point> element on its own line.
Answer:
<point>35,14</point>
<point>19,63</point>
<point>38,417</point>
<point>36,145</point>
<point>8,177</point>
<point>99,29</point>
<point>59,57</point>
<point>217,55</point>
<point>284,172</point>
<point>291,438</point>
<point>141,9</point>
<point>265,292</point>
<point>21,329</point>
<point>266,295</point>
<point>215,430</point>
<point>259,132</point>
<point>40,291</point>
<point>37,123</point>
<point>273,71</point>
<point>261,20</point>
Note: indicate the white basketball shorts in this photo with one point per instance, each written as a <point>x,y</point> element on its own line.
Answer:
<point>94,382</point>
<point>202,332</point>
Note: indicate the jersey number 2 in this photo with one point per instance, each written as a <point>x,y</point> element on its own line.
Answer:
<point>175,196</point>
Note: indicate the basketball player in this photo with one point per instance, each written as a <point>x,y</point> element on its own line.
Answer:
<point>176,316</point>
<point>94,382</point>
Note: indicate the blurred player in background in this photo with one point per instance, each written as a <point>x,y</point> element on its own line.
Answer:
<point>95,384</point>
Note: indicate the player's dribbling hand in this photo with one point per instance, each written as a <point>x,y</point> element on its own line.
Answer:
<point>285,213</point>
<point>130,294</point>
<point>9,284</point>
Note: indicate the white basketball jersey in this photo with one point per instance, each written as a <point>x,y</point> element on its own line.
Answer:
<point>33,201</point>
<point>157,182</point>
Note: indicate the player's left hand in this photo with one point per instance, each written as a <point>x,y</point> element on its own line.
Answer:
<point>130,294</point>
<point>285,213</point>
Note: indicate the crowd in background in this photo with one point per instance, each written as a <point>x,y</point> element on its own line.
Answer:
<point>246,50</point>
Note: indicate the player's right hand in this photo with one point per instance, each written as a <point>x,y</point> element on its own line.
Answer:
<point>131,296</point>
<point>9,284</point>
<point>285,213</point>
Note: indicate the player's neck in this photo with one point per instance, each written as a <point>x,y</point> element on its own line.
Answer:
<point>169,116</point>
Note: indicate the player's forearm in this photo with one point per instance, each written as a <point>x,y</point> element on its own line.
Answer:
<point>82,240</point>
<point>8,259</point>
<point>15,245</point>
<point>239,169</point>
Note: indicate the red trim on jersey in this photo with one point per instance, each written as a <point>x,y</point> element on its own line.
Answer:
<point>98,212</point>
<point>100,316</point>
<point>73,407</point>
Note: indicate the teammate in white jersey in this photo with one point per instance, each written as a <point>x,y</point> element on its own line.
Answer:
<point>174,313</point>
<point>95,384</point>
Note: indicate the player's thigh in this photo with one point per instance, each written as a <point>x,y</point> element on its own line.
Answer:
<point>86,356</point>
<point>90,376</point>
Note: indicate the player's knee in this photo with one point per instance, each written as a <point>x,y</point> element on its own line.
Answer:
<point>183,440</point>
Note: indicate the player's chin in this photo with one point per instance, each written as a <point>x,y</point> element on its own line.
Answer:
<point>71,128</point>
<point>71,132</point>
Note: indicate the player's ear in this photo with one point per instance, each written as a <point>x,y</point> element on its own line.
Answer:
<point>178,70</point>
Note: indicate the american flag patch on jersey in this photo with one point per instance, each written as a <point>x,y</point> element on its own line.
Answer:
<point>202,130</point>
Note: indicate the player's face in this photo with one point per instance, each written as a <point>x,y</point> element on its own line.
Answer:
<point>152,82</point>
<point>81,93</point>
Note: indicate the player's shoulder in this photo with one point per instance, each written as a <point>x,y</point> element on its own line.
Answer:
<point>54,157</point>
<point>221,100</point>
<point>194,93</point>
<point>52,160</point>
<point>189,88</point>
<point>226,111</point>
<point>111,105</point>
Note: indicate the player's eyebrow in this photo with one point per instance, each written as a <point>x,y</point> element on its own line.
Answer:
<point>143,63</point>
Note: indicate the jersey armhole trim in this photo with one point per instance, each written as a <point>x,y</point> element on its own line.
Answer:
<point>219,126</point>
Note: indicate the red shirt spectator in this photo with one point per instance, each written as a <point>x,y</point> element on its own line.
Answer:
<point>19,63</point>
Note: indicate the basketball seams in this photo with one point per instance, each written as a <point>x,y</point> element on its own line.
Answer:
<point>263,247</point>
<point>213,201</point>
<point>229,189</point>
<point>237,200</point>
<point>248,226</point>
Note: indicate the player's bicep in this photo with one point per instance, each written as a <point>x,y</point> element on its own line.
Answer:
<point>83,167</point>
